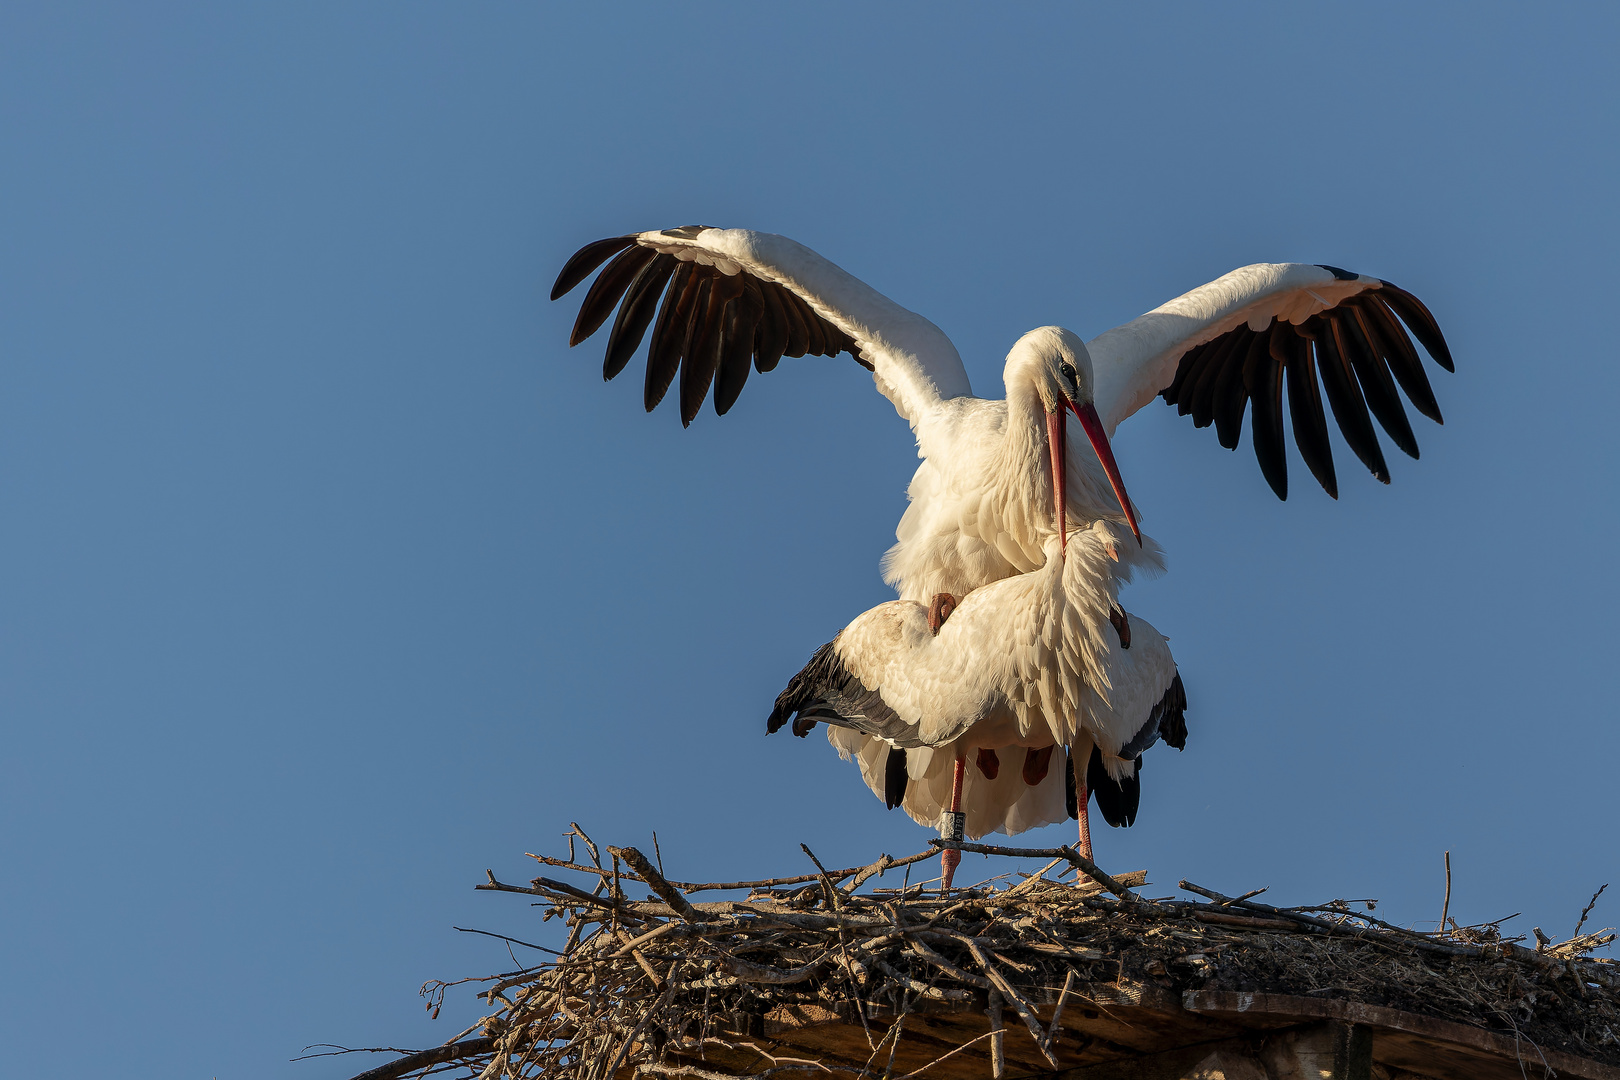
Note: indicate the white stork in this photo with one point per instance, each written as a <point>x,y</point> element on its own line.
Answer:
<point>998,477</point>
<point>1029,663</point>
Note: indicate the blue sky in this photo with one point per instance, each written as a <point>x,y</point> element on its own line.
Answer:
<point>330,577</point>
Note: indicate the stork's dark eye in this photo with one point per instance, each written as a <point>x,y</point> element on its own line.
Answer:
<point>1068,371</point>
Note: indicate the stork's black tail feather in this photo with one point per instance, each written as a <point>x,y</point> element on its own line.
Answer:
<point>894,778</point>
<point>1172,710</point>
<point>1071,796</point>
<point>1120,799</point>
<point>1117,799</point>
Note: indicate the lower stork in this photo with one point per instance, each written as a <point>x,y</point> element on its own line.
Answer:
<point>1018,667</point>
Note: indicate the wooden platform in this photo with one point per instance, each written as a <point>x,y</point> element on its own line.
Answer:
<point>1115,1032</point>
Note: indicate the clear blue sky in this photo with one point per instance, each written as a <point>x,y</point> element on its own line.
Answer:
<point>330,577</point>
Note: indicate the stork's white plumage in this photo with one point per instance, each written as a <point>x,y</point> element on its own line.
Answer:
<point>997,476</point>
<point>1025,664</point>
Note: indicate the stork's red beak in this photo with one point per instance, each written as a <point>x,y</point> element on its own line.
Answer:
<point>1057,445</point>
<point>1105,454</point>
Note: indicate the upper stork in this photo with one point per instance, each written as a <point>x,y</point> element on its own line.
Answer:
<point>990,486</point>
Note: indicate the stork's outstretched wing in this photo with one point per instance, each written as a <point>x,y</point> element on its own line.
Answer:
<point>735,298</point>
<point>1244,336</point>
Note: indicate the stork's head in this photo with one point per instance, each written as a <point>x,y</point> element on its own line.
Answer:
<point>1054,362</point>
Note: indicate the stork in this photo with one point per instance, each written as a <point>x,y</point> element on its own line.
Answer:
<point>999,477</point>
<point>1028,663</point>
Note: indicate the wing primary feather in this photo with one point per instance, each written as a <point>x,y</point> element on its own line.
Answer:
<point>699,364</point>
<point>1262,374</point>
<point>1344,396</point>
<point>1305,406</point>
<point>586,259</point>
<point>742,315</point>
<point>773,330</point>
<point>606,291</point>
<point>1203,394</point>
<point>815,343</point>
<point>669,335</point>
<point>1424,327</point>
<point>798,336</point>
<point>1376,381</point>
<point>640,304</point>
<point>1189,362</point>
<point>1232,394</point>
<point>1389,337</point>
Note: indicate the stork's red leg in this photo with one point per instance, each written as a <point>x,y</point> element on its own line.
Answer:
<point>1082,796</point>
<point>951,827</point>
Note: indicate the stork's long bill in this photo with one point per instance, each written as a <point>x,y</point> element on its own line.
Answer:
<point>1057,442</point>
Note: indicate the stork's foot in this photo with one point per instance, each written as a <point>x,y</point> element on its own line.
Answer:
<point>939,609</point>
<point>989,764</point>
<point>1079,797</point>
<point>949,860</point>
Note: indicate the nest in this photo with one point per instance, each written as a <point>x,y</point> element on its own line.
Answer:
<point>664,987</point>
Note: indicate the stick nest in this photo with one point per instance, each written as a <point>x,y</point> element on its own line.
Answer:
<point>662,987</point>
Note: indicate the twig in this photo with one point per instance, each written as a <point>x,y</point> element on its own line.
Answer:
<point>1251,894</point>
<point>1057,1010</point>
<point>1079,861</point>
<point>550,889</point>
<point>503,937</point>
<point>1026,1011</point>
<point>422,1059</point>
<point>850,965</point>
<point>918,1072</point>
<point>1445,908</point>
<point>1588,910</point>
<point>998,1039</point>
<point>826,882</point>
<point>655,881</point>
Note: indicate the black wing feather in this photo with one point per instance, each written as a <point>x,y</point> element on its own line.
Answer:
<point>1390,339</point>
<point>607,290</point>
<point>742,320</point>
<point>640,304</point>
<point>773,330</point>
<point>1199,396</point>
<point>1305,407</point>
<point>1422,322</point>
<point>709,328</point>
<point>815,340</point>
<point>1359,352</point>
<point>1262,376</point>
<point>1376,381</point>
<point>1231,395</point>
<point>669,336</point>
<point>1344,397</point>
<point>798,341</point>
<point>586,259</point>
<point>699,366</point>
